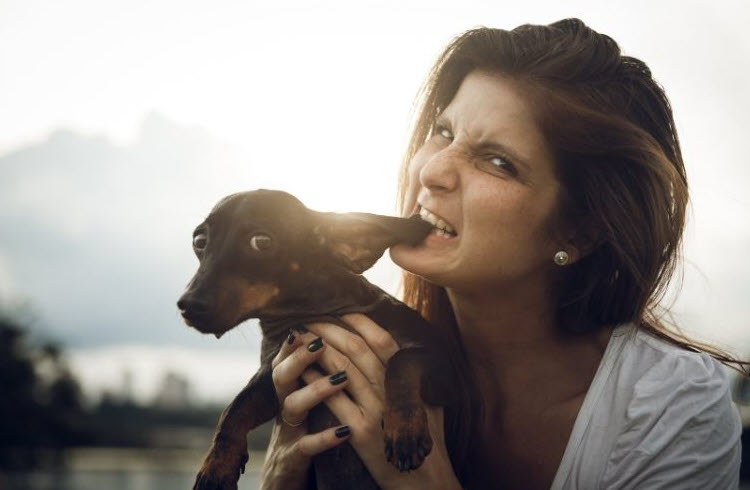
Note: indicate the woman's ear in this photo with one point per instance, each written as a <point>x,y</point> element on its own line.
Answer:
<point>357,240</point>
<point>581,242</point>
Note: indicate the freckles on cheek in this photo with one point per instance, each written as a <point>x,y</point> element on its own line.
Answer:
<point>536,213</point>
<point>510,212</point>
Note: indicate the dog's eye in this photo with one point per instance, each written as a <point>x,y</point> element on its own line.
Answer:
<point>260,242</point>
<point>199,241</point>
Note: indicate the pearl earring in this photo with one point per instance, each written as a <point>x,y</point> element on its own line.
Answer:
<point>561,257</point>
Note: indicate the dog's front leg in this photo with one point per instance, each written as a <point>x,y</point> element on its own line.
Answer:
<point>413,378</point>
<point>255,404</point>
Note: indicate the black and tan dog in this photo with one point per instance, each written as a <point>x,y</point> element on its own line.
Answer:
<point>264,255</point>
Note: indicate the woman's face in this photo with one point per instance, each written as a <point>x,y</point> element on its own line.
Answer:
<point>488,174</point>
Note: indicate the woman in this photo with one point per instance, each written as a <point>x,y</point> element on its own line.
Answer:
<point>553,162</point>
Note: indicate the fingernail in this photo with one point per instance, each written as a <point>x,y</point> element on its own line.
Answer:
<point>290,339</point>
<point>301,328</point>
<point>315,345</point>
<point>343,431</point>
<point>338,378</point>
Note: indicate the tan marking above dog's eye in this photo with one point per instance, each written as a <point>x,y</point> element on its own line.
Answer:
<point>199,241</point>
<point>260,242</point>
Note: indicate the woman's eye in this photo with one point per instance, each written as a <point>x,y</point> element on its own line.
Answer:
<point>199,241</point>
<point>444,132</point>
<point>260,242</point>
<point>504,165</point>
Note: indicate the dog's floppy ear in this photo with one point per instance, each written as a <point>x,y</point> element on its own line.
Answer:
<point>357,240</point>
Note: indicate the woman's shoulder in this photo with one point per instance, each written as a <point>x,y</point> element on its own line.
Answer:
<point>655,414</point>
<point>652,376</point>
<point>672,409</point>
<point>658,364</point>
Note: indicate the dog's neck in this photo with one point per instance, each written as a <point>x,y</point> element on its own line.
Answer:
<point>342,292</point>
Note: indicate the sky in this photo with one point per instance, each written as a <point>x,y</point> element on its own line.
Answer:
<point>122,122</point>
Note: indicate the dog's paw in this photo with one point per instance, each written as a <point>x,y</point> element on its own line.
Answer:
<point>407,437</point>
<point>221,469</point>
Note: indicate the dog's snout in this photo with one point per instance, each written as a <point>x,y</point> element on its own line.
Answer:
<point>191,307</point>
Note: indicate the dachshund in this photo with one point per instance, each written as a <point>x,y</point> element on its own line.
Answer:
<point>262,254</point>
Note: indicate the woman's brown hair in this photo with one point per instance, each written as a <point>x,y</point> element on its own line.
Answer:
<point>610,128</point>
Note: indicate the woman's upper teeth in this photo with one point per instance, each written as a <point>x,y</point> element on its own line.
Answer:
<point>436,221</point>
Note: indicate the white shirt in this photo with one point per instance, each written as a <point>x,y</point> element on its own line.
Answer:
<point>655,417</point>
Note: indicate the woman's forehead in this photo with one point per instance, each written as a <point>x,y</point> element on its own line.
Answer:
<point>489,108</point>
<point>484,94</point>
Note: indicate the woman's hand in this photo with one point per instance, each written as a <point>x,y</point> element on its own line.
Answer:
<point>364,358</point>
<point>291,447</point>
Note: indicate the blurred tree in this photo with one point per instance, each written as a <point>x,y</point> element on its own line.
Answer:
<point>40,401</point>
<point>41,412</point>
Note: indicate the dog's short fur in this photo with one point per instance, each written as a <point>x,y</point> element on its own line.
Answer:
<point>264,255</point>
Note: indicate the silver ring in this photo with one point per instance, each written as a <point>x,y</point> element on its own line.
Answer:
<point>291,424</point>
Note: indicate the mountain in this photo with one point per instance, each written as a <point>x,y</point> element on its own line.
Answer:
<point>96,237</point>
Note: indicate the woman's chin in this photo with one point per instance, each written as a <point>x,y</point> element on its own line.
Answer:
<point>401,255</point>
<point>419,260</point>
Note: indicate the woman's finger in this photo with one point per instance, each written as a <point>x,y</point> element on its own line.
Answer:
<point>287,347</point>
<point>376,337</point>
<point>312,444</point>
<point>289,454</point>
<point>296,405</point>
<point>354,348</point>
<point>307,349</point>
<point>294,339</point>
<point>368,395</point>
<point>363,423</point>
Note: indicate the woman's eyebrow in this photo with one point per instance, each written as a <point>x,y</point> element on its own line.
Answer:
<point>442,120</point>
<point>522,161</point>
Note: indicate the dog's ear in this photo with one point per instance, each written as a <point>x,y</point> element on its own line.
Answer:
<point>357,240</point>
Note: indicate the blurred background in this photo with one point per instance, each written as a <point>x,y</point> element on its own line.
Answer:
<point>123,122</point>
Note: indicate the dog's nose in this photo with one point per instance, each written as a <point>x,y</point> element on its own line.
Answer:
<point>192,307</point>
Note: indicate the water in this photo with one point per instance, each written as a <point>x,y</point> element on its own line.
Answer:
<point>133,469</point>
<point>123,480</point>
<point>125,469</point>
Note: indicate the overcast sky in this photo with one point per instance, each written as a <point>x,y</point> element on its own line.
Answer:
<point>122,122</point>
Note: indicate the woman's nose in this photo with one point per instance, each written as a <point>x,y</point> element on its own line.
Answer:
<point>439,173</point>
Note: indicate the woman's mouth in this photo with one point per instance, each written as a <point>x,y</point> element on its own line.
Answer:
<point>440,227</point>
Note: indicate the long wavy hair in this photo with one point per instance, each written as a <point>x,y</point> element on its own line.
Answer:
<point>609,125</point>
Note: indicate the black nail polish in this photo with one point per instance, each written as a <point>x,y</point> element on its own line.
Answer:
<point>290,339</point>
<point>301,328</point>
<point>338,378</point>
<point>343,431</point>
<point>315,345</point>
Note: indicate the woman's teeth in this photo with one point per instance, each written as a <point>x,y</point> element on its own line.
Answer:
<point>442,228</point>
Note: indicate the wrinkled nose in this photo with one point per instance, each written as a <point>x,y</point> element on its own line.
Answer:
<point>193,308</point>
<point>439,173</point>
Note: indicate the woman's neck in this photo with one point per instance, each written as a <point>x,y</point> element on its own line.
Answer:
<point>513,341</point>
<point>492,322</point>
